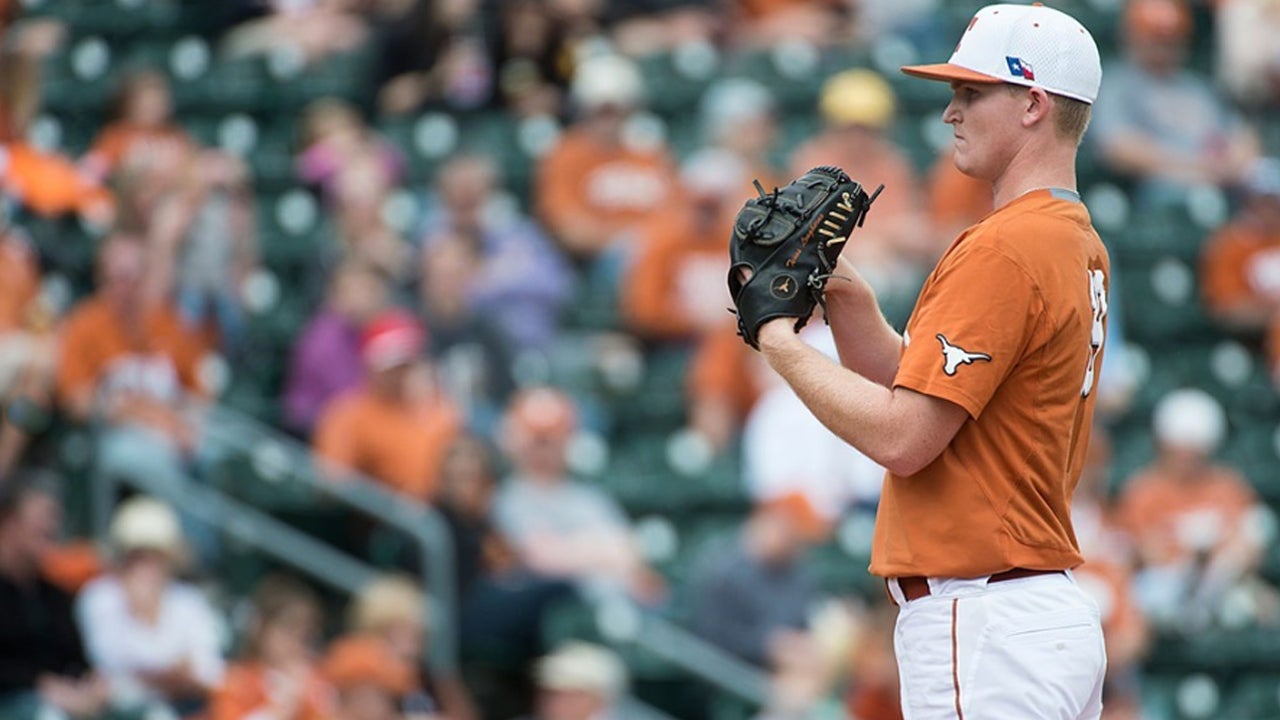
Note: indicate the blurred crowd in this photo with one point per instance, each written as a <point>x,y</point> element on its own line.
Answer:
<point>428,363</point>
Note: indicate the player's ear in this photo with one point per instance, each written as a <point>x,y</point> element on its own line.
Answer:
<point>1036,106</point>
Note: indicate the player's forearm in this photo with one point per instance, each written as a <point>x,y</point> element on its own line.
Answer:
<point>867,344</point>
<point>857,409</point>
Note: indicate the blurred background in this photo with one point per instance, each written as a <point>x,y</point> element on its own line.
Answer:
<point>368,359</point>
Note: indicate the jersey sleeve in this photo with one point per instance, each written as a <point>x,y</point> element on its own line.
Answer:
<point>970,328</point>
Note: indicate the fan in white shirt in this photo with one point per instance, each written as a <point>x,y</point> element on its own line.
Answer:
<point>156,640</point>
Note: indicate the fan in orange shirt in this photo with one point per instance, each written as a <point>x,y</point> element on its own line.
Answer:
<point>397,426</point>
<point>600,181</point>
<point>142,124</point>
<point>369,679</point>
<point>722,384</point>
<point>1199,528</point>
<point>126,357</point>
<point>277,678</point>
<point>43,182</point>
<point>674,289</point>
<point>1240,265</point>
<point>956,200</point>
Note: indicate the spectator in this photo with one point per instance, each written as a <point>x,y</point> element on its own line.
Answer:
<point>723,383</point>
<point>739,115</point>
<point>1107,577</point>
<point>27,351</point>
<point>129,364</point>
<point>770,22</point>
<point>397,425</point>
<point>522,281</point>
<point>141,127</point>
<point>468,348</point>
<point>558,527</point>
<point>334,139</point>
<point>1198,526</point>
<point>276,676</point>
<point>501,623</point>
<point>642,28</point>
<point>599,182</point>
<point>874,693</point>
<point>369,680</point>
<point>787,450</point>
<point>527,54</point>
<point>154,639</point>
<point>326,356</point>
<point>42,659</point>
<point>1248,64</point>
<point>433,54</point>
<point>858,108</point>
<point>468,482</point>
<point>43,182</point>
<point>391,612</point>
<point>359,229</point>
<point>203,231</point>
<point>751,592</point>
<point>1240,267</point>
<point>812,673</point>
<point>1162,123</point>
<point>675,289</point>
<point>311,29</point>
<point>580,681</point>
<point>956,201</point>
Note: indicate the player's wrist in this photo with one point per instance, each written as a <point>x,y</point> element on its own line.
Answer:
<point>777,333</point>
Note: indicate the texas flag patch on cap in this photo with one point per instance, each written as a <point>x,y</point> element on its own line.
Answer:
<point>1020,68</point>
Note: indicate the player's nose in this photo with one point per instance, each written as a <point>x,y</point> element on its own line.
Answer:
<point>950,114</point>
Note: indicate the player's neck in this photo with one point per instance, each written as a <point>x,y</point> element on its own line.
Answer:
<point>1050,168</point>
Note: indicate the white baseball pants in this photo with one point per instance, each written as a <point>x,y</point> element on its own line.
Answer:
<point>1024,649</point>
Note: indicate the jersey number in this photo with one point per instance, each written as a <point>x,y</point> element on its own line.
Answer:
<point>1097,334</point>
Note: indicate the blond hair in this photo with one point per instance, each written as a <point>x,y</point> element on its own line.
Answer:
<point>386,601</point>
<point>1070,120</point>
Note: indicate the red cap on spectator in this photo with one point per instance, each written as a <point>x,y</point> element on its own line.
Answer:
<point>393,338</point>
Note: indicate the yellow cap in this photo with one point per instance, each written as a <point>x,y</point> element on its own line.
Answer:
<point>857,97</point>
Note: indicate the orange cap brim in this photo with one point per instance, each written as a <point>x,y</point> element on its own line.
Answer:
<point>947,72</point>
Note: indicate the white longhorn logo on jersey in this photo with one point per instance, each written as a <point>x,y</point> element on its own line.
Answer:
<point>954,356</point>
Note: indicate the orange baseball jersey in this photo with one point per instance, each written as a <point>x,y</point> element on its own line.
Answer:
<point>1010,326</point>
<point>402,446</point>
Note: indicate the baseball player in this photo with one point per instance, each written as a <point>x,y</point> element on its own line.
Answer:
<point>981,409</point>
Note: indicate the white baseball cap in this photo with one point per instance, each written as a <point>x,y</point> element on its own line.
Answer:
<point>607,80</point>
<point>1029,45</point>
<point>1190,419</point>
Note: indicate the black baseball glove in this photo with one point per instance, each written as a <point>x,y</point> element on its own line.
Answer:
<point>789,240</point>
